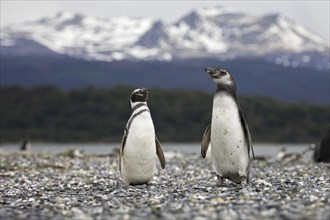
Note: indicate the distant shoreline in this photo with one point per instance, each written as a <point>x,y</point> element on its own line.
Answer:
<point>267,149</point>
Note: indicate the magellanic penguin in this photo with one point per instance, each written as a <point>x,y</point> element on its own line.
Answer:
<point>228,132</point>
<point>137,158</point>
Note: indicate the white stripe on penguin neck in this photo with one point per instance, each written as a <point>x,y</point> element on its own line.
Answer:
<point>137,105</point>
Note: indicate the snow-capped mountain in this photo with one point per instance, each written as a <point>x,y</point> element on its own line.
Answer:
<point>218,32</point>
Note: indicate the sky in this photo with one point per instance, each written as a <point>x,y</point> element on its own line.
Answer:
<point>312,14</point>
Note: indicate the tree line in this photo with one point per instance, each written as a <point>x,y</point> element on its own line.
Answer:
<point>99,115</point>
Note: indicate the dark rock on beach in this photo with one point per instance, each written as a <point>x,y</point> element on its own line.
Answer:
<point>61,186</point>
<point>322,152</point>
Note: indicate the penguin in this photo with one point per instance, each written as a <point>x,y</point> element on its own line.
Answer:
<point>26,146</point>
<point>228,133</point>
<point>140,145</point>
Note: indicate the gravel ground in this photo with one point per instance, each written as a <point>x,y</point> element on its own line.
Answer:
<point>69,186</point>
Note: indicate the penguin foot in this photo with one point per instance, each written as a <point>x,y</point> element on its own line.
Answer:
<point>219,181</point>
<point>244,180</point>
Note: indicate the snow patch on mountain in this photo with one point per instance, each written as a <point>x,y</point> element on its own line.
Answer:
<point>224,33</point>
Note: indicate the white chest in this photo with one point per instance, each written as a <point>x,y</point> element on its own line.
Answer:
<point>142,125</point>
<point>138,163</point>
<point>229,148</point>
<point>141,135</point>
<point>225,118</point>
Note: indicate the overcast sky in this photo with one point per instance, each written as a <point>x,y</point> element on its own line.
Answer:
<point>312,14</point>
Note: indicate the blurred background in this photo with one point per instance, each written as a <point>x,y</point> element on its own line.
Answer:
<point>69,67</point>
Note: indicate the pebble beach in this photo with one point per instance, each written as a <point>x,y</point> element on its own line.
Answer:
<point>78,186</point>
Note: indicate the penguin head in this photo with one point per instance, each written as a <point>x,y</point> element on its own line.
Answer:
<point>221,77</point>
<point>139,95</point>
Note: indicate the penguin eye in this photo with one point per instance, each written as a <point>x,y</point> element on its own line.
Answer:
<point>223,73</point>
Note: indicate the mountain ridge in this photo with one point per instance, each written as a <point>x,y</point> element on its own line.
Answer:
<point>268,55</point>
<point>219,32</point>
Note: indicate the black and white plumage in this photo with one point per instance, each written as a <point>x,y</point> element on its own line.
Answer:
<point>137,159</point>
<point>228,134</point>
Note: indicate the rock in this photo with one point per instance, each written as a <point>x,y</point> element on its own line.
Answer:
<point>90,187</point>
<point>322,152</point>
<point>77,214</point>
<point>260,181</point>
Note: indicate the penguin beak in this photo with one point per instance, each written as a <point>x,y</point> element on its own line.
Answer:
<point>211,71</point>
<point>145,91</point>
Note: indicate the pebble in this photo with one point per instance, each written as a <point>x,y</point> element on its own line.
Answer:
<point>50,186</point>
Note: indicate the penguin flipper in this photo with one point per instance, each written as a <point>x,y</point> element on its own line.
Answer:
<point>160,153</point>
<point>250,142</point>
<point>247,134</point>
<point>121,153</point>
<point>206,140</point>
